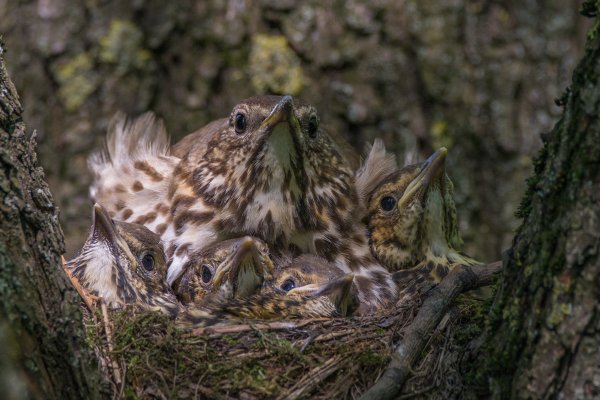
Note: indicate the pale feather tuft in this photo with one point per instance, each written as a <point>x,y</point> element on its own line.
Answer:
<point>378,165</point>
<point>118,183</point>
<point>145,136</point>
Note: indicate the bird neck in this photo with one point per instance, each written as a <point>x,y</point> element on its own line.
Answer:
<point>441,232</point>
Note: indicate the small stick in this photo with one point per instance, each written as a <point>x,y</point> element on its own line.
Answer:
<point>87,298</point>
<point>314,378</point>
<point>108,330</point>
<point>279,325</point>
<point>459,280</point>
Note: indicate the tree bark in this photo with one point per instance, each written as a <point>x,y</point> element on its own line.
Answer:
<point>44,353</point>
<point>544,335</point>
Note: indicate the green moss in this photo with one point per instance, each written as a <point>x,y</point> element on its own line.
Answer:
<point>561,307</point>
<point>122,47</point>
<point>77,80</point>
<point>371,359</point>
<point>274,67</point>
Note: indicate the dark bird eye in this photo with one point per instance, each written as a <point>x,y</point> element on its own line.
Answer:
<point>388,203</point>
<point>313,125</point>
<point>240,123</point>
<point>288,285</point>
<point>206,274</point>
<point>148,262</point>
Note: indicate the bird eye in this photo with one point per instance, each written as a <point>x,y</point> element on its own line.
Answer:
<point>240,123</point>
<point>206,274</point>
<point>313,125</point>
<point>148,262</point>
<point>288,285</point>
<point>388,203</point>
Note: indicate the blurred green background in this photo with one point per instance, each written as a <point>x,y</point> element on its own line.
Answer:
<point>479,77</point>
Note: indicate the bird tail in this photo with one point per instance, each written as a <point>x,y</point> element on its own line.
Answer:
<point>132,174</point>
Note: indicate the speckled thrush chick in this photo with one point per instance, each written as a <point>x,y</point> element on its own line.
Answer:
<point>308,273</point>
<point>124,264</point>
<point>234,268</point>
<point>270,172</point>
<point>306,286</point>
<point>413,224</point>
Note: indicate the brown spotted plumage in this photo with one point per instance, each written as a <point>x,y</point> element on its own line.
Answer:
<point>132,176</point>
<point>124,264</point>
<point>413,225</point>
<point>303,287</point>
<point>269,171</point>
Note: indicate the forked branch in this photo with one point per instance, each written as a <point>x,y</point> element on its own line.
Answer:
<point>459,280</point>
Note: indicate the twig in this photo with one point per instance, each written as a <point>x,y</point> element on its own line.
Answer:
<point>313,378</point>
<point>108,330</point>
<point>460,279</point>
<point>87,298</point>
<point>224,329</point>
<point>122,388</point>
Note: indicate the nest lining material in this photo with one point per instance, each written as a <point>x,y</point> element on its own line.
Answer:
<point>145,355</point>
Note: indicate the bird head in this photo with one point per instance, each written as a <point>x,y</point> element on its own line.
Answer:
<point>234,268</point>
<point>412,216</point>
<point>313,287</point>
<point>264,163</point>
<point>124,264</point>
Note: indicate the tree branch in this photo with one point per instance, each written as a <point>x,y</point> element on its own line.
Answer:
<point>434,307</point>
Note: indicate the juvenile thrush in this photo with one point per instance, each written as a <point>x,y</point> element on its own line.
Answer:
<point>124,264</point>
<point>413,224</point>
<point>270,172</point>
<point>228,269</point>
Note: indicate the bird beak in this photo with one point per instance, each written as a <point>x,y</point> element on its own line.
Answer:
<point>342,294</point>
<point>432,169</point>
<point>283,111</point>
<point>310,288</point>
<point>244,268</point>
<point>103,226</point>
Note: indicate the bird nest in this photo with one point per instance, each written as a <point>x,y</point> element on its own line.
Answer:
<point>145,355</point>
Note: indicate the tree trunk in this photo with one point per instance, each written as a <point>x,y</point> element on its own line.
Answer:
<point>545,325</point>
<point>44,354</point>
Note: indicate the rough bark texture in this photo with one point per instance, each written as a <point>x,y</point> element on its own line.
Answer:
<point>42,342</point>
<point>476,76</point>
<point>545,340</point>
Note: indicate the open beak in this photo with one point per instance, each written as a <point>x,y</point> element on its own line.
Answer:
<point>431,170</point>
<point>102,225</point>
<point>244,268</point>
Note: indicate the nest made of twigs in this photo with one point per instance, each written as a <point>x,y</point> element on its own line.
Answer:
<point>145,355</point>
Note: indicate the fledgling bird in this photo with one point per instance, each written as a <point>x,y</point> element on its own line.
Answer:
<point>308,273</point>
<point>269,171</point>
<point>413,224</point>
<point>124,264</point>
<point>303,287</point>
<point>234,268</point>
